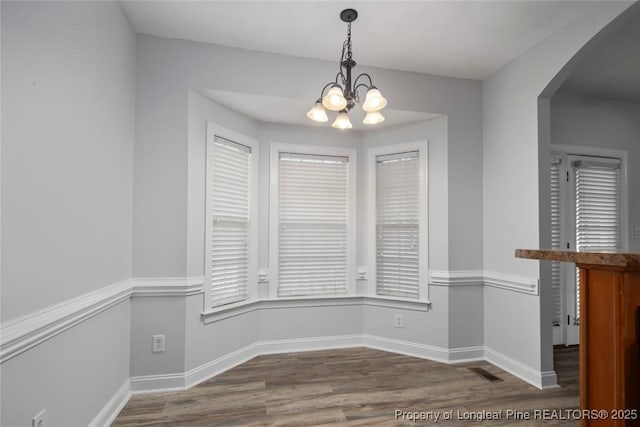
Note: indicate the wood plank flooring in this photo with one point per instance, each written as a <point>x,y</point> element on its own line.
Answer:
<point>357,387</point>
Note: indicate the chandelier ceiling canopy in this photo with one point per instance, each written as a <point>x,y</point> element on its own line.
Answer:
<point>341,95</point>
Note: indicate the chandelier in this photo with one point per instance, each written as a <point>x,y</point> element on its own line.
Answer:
<point>343,92</point>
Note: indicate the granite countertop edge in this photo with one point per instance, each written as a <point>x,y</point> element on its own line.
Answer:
<point>616,259</point>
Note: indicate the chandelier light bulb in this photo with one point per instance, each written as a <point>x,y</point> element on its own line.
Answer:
<point>374,101</point>
<point>373,118</point>
<point>334,99</point>
<point>341,94</point>
<point>317,113</point>
<point>342,121</point>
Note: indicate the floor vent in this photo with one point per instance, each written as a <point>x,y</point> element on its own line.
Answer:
<point>485,374</point>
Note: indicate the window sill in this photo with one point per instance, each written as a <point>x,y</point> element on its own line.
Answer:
<point>236,309</point>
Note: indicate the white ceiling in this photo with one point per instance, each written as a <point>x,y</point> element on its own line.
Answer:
<point>469,39</point>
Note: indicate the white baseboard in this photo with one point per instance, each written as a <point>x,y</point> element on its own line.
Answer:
<point>19,335</point>
<point>466,354</point>
<point>539,379</point>
<point>309,344</point>
<point>158,383</point>
<point>422,351</point>
<point>208,370</point>
<point>217,366</point>
<point>113,407</point>
<point>182,381</point>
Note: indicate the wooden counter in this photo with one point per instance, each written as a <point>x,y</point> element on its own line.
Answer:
<point>609,332</point>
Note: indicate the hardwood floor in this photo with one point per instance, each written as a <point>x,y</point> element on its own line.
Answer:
<point>359,387</point>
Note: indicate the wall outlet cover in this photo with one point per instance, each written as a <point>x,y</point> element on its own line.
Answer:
<point>157,345</point>
<point>398,321</point>
<point>39,419</point>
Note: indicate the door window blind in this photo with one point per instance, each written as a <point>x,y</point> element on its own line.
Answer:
<point>598,221</point>
<point>556,238</point>
<point>229,178</point>
<point>598,213</point>
<point>397,224</point>
<point>312,235</point>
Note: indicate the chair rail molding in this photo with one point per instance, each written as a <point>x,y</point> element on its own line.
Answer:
<point>456,278</point>
<point>21,334</point>
<point>167,286</point>
<point>510,282</point>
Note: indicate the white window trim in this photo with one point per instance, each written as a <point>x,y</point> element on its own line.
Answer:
<point>274,168</point>
<point>583,150</point>
<point>252,285</point>
<point>423,274</point>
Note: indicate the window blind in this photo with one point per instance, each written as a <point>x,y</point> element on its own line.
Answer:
<point>598,216</point>
<point>597,205</point>
<point>228,266</point>
<point>556,239</point>
<point>397,224</point>
<point>312,235</point>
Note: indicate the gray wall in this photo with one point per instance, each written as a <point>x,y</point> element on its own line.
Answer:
<point>67,151</point>
<point>207,342</point>
<point>67,181</point>
<point>597,122</point>
<point>515,149</point>
<point>158,316</point>
<point>169,193</point>
<point>74,78</point>
<point>168,69</point>
<point>466,316</point>
<point>72,376</point>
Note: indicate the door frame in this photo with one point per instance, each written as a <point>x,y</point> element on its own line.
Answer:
<point>567,333</point>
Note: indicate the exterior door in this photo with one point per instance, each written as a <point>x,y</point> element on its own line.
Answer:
<point>586,214</point>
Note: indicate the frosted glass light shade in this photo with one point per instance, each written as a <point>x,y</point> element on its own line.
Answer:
<point>374,101</point>
<point>317,113</point>
<point>334,99</point>
<point>342,121</point>
<point>373,118</point>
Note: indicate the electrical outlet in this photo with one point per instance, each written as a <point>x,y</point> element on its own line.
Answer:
<point>637,233</point>
<point>39,420</point>
<point>398,321</point>
<point>157,345</point>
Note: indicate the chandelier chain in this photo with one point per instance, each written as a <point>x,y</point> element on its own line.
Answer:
<point>349,55</point>
<point>343,93</point>
<point>340,73</point>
